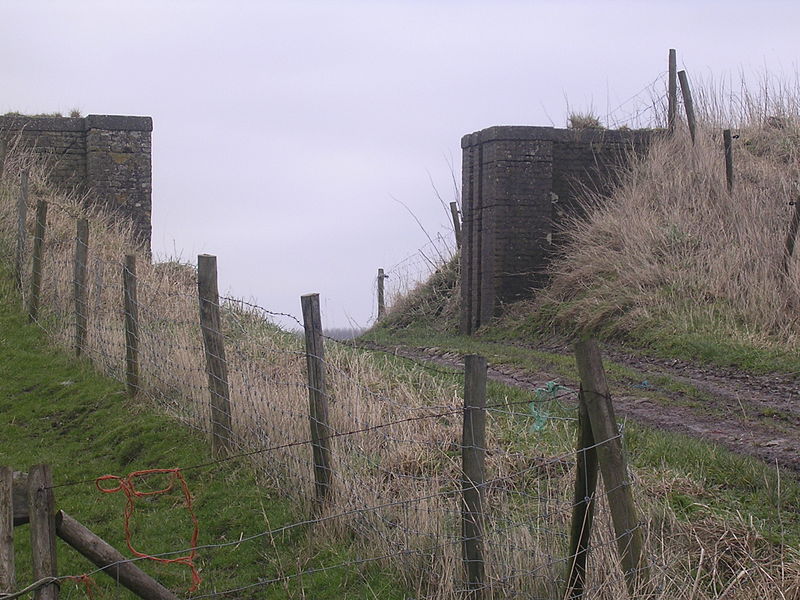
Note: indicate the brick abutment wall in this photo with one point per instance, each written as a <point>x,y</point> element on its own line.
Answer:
<point>106,157</point>
<point>519,186</point>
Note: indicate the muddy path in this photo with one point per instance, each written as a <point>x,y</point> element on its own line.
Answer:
<point>756,415</point>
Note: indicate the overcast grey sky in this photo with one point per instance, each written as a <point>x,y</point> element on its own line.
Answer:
<point>282,130</point>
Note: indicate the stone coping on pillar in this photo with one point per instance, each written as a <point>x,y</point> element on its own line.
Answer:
<point>502,133</point>
<point>107,122</point>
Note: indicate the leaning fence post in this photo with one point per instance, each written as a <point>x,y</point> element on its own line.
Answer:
<point>583,503</point>
<point>317,397</point>
<point>81,258</point>
<point>381,299</point>
<point>456,223</point>
<point>214,343</point>
<point>110,561</point>
<point>688,105</point>
<point>131,309</point>
<point>41,507</point>
<point>672,91</point>
<point>473,455</point>
<point>38,252</point>
<point>7,574</point>
<point>727,143</point>
<point>22,234</point>
<point>613,464</point>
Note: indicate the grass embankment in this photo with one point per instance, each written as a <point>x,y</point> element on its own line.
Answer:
<point>678,265</point>
<point>59,411</point>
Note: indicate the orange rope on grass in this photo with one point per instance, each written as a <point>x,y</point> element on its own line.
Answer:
<point>127,487</point>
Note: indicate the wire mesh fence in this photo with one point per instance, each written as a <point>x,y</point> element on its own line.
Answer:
<point>396,476</point>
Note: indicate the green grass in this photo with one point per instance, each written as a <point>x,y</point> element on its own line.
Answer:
<point>703,342</point>
<point>59,411</point>
<point>711,334</point>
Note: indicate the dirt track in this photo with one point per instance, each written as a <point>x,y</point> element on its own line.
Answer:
<point>757,415</point>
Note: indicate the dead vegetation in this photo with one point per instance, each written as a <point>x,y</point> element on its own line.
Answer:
<point>673,246</point>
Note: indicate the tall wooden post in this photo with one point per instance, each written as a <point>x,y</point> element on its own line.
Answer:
<point>473,457</point>
<point>41,506</point>
<point>688,104</point>
<point>317,397</point>
<point>38,255</point>
<point>672,91</point>
<point>381,300</point>
<point>727,143</point>
<point>81,258</point>
<point>131,309</point>
<point>22,232</point>
<point>3,151</point>
<point>216,364</point>
<point>791,237</point>
<point>7,574</point>
<point>612,461</point>
<point>583,503</point>
<point>456,223</point>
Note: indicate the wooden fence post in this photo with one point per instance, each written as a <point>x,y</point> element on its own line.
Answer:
<point>791,237</point>
<point>317,397</point>
<point>381,300</point>
<point>583,503</point>
<point>473,456</point>
<point>7,574</point>
<point>131,310</point>
<point>613,464</point>
<point>727,143</point>
<point>22,233</point>
<point>3,151</point>
<point>688,105</point>
<point>214,343</point>
<point>456,223</point>
<point>81,258</point>
<point>41,507</point>
<point>672,91</point>
<point>38,255</point>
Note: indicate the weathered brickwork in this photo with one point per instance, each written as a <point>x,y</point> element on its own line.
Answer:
<point>107,157</point>
<point>519,184</point>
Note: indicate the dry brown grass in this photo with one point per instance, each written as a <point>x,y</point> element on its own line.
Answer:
<point>411,470</point>
<point>673,245</point>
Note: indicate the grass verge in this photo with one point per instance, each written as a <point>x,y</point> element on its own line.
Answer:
<point>58,411</point>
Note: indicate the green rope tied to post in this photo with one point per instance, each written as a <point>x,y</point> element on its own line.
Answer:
<point>541,395</point>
